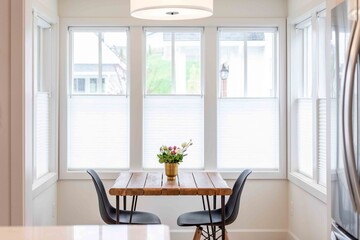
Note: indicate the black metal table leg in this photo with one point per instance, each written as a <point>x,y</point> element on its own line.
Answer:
<point>124,202</point>
<point>117,209</point>
<point>133,207</point>
<point>207,226</point>
<point>223,217</point>
<point>211,221</point>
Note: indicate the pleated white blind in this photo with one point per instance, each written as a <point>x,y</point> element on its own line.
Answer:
<point>333,134</point>
<point>321,148</point>
<point>304,136</point>
<point>98,132</point>
<point>248,133</point>
<point>172,120</point>
<point>42,131</point>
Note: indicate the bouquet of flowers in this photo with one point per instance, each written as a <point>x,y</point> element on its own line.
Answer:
<point>173,154</point>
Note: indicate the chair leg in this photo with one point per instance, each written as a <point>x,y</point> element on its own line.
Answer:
<point>197,234</point>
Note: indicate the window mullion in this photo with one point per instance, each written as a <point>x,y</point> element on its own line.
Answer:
<point>35,89</point>
<point>210,93</point>
<point>306,67</point>
<point>173,63</point>
<point>100,36</point>
<point>71,62</point>
<point>245,68</point>
<point>303,62</point>
<point>275,66</point>
<point>315,84</point>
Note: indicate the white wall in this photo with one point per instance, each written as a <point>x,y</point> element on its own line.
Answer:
<point>297,8</point>
<point>307,215</point>
<point>44,207</point>
<point>263,213</point>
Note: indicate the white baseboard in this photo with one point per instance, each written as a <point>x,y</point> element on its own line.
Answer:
<point>248,234</point>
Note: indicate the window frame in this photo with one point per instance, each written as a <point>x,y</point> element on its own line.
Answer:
<point>309,184</point>
<point>210,73</point>
<point>199,95</point>
<point>70,87</point>
<point>276,81</point>
<point>41,183</point>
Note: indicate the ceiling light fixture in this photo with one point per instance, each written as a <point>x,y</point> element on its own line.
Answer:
<point>171,9</point>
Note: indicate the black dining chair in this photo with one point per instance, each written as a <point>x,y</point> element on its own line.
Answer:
<point>202,218</point>
<point>108,212</point>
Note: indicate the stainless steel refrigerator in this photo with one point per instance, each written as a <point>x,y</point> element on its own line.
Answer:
<point>345,165</point>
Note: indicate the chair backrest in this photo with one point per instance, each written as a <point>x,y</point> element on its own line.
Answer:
<point>104,204</point>
<point>233,204</point>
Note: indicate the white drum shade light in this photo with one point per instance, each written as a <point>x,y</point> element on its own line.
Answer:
<point>171,9</point>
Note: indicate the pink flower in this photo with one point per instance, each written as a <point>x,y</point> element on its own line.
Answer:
<point>174,147</point>
<point>170,148</point>
<point>173,152</point>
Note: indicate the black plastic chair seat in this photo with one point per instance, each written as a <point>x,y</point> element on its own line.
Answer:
<point>137,217</point>
<point>200,218</point>
<point>108,212</point>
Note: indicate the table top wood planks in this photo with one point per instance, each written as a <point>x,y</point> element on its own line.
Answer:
<point>156,183</point>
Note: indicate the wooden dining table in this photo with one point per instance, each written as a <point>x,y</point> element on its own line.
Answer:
<point>156,184</point>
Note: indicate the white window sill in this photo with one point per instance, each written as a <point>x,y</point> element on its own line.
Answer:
<point>82,174</point>
<point>39,185</point>
<point>308,185</point>
<point>227,175</point>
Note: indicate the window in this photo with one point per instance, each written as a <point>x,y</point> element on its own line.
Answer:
<point>222,87</point>
<point>98,118</point>
<point>173,110</point>
<point>44,101</point>
<point>248,102</point>
<point>308,99</point>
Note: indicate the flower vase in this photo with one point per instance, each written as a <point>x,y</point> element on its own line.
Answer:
<point>171,171</point>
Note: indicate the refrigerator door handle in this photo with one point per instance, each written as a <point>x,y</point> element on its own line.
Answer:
<point>346,117</point>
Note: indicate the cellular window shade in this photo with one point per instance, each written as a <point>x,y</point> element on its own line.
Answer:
<point>98,132</point>
<point>304,136</point>
<point>172,120</point>
<point>333,134</point>
<point>321,148</point>
<point>42,139</point>
<point>248,133</point>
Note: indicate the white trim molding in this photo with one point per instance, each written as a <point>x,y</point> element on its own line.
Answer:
<point>308,185</point>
